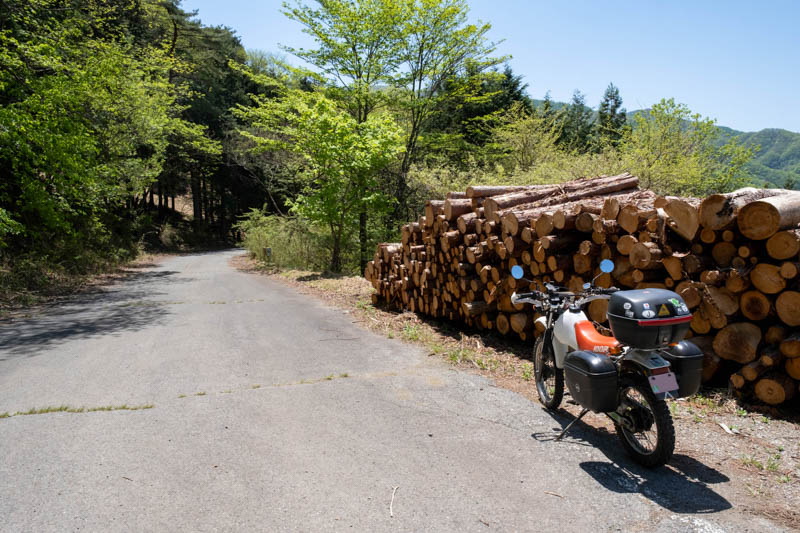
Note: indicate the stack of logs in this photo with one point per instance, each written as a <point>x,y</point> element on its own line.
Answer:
<point>734,258</point>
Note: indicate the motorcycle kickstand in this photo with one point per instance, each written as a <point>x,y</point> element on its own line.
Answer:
<point>571,423</point>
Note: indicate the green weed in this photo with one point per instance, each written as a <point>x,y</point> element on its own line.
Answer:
<point>749,460</point>
<point>344,375</point>
<point>256,386</point>
<point>200,393</point>
<point>527,371</point>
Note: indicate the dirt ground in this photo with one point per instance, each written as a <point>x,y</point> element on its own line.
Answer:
<point>759,452</point>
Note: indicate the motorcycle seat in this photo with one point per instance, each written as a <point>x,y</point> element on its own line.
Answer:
<point>591,340</point>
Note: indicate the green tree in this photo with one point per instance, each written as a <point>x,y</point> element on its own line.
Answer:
<point>473,103</point>
<point>357,51</point>
<point>437,44</point>
<point>576,125</point>
<point>674,151</point>
<point>611,117</point>
<point>528,139</point>
<point>341,157</point>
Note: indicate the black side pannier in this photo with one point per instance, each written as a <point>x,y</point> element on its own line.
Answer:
<point>592,380</point>
<point>686,361</point>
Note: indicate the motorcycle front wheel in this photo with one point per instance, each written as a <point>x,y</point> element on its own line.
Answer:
<point>549,378</point>
<point>646,432</point>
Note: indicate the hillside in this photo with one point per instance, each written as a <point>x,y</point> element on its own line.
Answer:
<point>778,160</point>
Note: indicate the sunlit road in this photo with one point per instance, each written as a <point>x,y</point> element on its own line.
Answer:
<point>267,411</point>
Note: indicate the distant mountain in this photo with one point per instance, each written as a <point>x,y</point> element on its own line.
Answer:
<point>778,160</point>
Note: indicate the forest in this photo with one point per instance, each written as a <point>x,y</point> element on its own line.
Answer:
<point>128,125</point>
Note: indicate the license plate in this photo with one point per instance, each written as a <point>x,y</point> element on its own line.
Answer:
<point>664,385</point>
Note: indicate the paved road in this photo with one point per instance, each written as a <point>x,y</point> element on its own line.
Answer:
<point>246,432</point>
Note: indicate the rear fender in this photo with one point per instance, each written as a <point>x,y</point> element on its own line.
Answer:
<point>644,362</point>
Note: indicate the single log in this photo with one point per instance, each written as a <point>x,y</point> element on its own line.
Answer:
<point>751,371</point>
<point>673,265</point>
<point>723,253</point>
<point>629,219</point>
<point>477,307</point>
<point>625,244</point>
<point>737,282</point>
<point>700,324</point>
<point>466,222</point>
<point>789,270</point>
<point>737,380</point>
<point>754,305</point>
<point>784,244</point>
<point>724,300</point>
<point>610,209</point>
<point>683,217</point>
<point>792,367</point>
<point>597,310</point>
<point>738,342</point>
<point>559,242</point>
<point>719,211</point>
<point>514,245</point>
<point>502,324</point>
<point>588,248</point>
<point>544,224</point>
<point>482,191</point>
<point>708,236</point>
<point>455,195</point>
<point>645,255</point>
<point>767,278</point>
<point>763,218</point>
<point>716,318</point>
<point>433,209</point>
<point>775,335</point>
<point>521,322</point>
<point>771,356</point>
<point>790,347</point>
<point>581,264</point>
<point>584,222</point>
<point>788,307</point>
<point>454,208</point>
<point>775,389</point>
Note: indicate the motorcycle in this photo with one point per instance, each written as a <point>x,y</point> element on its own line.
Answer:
<point>627,376</point>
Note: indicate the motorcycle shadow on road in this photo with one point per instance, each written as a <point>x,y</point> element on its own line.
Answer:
<point>680,487</point>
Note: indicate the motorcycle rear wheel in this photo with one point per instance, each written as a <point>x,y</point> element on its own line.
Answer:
<point>549,378</point>
<point>651,439</point>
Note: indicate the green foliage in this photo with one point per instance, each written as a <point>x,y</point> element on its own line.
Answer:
<point>83,125</point>
<point>341,156</point>
<point>528,139</point>
<point>293,242</point>
<point>674,151</point>
<point>576,125</point>
<point>611,118</point>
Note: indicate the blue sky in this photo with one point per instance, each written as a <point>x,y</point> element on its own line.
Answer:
<point>736,61</point>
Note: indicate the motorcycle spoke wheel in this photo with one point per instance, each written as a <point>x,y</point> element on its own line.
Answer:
<point>648,434</point>
<point>549,378</point>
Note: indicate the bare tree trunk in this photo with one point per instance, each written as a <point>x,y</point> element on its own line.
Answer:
<point>362,238</point>
<point>197,199</point>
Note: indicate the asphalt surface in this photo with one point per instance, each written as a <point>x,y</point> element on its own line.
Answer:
<point>273,412</point>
